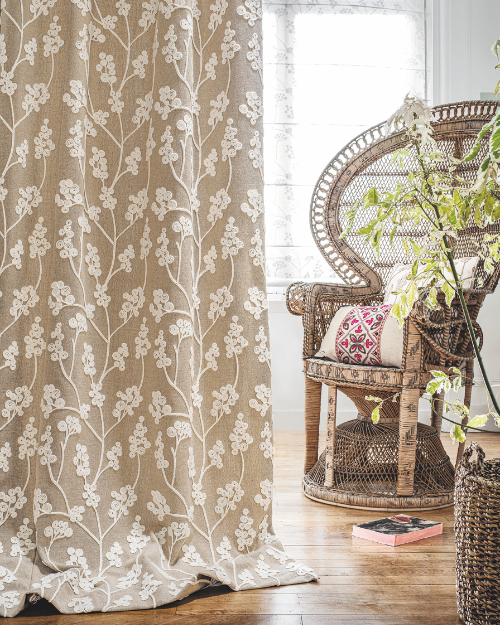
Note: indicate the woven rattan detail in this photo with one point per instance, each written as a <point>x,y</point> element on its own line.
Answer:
<point>477,537</point>
<point>366,462</point>
<point>324,370</point>
<point>419,475</point>
<point>389,410</point>
<point>366,162</point>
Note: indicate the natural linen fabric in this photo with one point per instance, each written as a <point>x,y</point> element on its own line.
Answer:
<point>135,446</point>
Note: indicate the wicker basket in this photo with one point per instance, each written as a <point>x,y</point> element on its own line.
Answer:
<point>477,537</point>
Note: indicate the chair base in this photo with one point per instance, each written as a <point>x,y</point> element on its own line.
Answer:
<point>366,470</point>
<point>380,504</point>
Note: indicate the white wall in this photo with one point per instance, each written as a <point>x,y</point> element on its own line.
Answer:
<point>462,68</point>
<point>460,36</point>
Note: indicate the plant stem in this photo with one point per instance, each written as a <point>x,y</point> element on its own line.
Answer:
<point>467,318</point>
<point>458,289</point>
<point>455,423</point>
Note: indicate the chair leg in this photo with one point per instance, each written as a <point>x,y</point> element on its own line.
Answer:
<point>469,375</point>
<point>312,415</point>
<point>437,412</point>
<point>330,434</point>
<point>408,422</point>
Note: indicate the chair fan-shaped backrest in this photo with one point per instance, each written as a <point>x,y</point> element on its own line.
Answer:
<point>366,162</point>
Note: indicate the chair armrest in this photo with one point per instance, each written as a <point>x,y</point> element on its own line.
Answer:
<point>317,303</point>
<point>444,332</point>
<point>296,295</point>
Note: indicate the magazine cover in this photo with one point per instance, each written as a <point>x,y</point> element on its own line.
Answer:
<point>397,530</point>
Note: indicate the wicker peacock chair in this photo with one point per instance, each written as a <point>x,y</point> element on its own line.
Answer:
<point>397,463</point>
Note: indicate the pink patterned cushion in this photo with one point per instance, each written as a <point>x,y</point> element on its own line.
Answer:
<point>364,335</point>
<point>358,337</point>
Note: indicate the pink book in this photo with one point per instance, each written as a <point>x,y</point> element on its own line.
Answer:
<point>397,530</point>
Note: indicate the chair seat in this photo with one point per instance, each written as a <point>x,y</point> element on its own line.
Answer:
<point>326,370</point>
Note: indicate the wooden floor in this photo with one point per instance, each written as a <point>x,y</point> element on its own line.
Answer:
<point>361,583</point>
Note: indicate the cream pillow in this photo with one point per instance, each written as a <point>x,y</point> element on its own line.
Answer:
<point>364,335</point>
<point>466,269</point>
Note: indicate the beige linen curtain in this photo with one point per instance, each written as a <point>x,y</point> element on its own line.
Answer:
<point>135,435</point>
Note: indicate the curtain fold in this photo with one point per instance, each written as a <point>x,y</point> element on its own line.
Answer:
<point>136,431</point>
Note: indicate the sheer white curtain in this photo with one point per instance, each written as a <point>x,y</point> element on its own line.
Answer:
<point>331,69</point>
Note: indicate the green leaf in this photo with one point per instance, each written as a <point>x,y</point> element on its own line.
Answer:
<point>416,249</point>
<point>434,386</point>
<point>479,421</point>
<point>373,398</point>
<point>452,218</point>
<point>457,434</point>
<point>372,196</point>
<point>471,155</point>
<point>438,383</point>
<point>411,296</point>
<point>414,268</point>
<point>495,48</point>
<point>438,374</point>
<point>496,211</point>
<point>489,204</point>
<point>449,292</point>
<point>368,229</point>
<point>377,237</point>
<point>457,383</point>
<point>396,312</point>
<point>431,301</point>
<point>477,217</point>
<point>375,414</point>
<point>495,139</point>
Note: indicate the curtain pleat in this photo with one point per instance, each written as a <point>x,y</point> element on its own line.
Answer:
<point>135,429</point>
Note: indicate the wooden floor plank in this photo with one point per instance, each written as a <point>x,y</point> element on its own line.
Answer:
<point>406,619</point>
<point>400,578</point>
<point>361,583</point>
<point>293,604</point>
<point>159,617</point>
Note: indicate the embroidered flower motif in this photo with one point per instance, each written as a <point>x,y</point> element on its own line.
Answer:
<point>359,334</point>
<point>134,205</point>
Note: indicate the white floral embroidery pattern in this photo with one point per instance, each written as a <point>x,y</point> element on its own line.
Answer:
<point>134,375</point>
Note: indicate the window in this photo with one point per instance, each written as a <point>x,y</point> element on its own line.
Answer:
<point>331,70</point>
